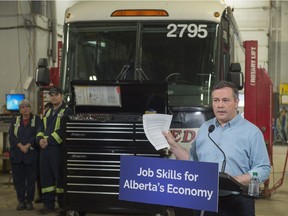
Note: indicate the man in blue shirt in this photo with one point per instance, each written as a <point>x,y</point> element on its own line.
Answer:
<point>241,141</point>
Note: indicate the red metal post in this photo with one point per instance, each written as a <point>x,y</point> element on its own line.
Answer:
<point>250,89</point>
<point>258,99</point>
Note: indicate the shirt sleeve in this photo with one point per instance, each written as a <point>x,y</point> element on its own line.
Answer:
<point>193,154</point>
<point>259,160</point>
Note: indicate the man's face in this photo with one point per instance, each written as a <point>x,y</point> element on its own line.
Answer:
<point>56,98</point>
<point>224,105</point>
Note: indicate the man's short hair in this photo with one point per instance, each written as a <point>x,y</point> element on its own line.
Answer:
<point>223,83</point>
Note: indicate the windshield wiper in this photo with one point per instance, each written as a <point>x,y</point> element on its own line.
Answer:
<point>123,73</point>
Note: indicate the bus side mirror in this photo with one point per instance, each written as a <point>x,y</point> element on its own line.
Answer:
<point>236,76</point>
<point>42,73</point>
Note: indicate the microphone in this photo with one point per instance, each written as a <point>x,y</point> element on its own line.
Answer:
<point>210,130</point>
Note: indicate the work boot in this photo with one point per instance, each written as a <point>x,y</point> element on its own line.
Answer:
<point>61,212</point>
<point>45,211</point>
<point>29,206</point>
<point>21,206</point>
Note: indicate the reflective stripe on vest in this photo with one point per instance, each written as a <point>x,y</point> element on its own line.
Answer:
<point>17,124</point>
<point>57,125</point>
<point>45,118</point>
<point>56,137</point>
<point>40,134</point>
<point>58,121</point>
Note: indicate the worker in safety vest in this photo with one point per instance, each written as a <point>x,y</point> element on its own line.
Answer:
<point>24,154</point>
<point>50,139</point>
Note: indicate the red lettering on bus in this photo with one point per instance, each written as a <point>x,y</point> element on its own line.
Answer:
<point>188,136</point>
<point>183,135</point>
<point>177,134</point>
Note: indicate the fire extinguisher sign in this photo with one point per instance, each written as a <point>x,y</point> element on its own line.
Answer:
<point>168,182</point>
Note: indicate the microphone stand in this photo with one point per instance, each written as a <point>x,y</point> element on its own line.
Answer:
<point>224,161</point>
<point>211,129</point>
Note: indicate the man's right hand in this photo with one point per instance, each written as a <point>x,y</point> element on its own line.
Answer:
<point>179,152</point>
<point>170,139</point>
<point>43,143</point>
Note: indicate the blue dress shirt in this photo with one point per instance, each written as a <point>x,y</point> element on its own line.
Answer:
<point>242,142</point>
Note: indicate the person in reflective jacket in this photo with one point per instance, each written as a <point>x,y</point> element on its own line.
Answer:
<point>50,139</point>
<point>24,154</point>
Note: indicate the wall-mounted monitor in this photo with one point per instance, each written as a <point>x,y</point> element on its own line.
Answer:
<point>13,101</point>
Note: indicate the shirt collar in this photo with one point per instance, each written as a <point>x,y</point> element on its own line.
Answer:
<point>231,123</point>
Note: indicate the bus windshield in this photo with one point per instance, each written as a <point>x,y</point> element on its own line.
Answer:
<point>180,53</point>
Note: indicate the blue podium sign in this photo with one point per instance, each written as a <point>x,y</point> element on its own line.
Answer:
<point>169,182</point>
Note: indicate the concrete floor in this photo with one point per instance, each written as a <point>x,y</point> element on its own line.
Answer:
<point>277,204</point>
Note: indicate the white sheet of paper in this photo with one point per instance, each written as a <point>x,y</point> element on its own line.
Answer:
<point>153,125</point>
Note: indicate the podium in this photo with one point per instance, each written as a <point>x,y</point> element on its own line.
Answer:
<point>228,185</point>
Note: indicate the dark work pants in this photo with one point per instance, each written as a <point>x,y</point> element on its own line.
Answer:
<point>38,180</point>
<point>51,172</point>
<point>24,178</point>
<point>233,205</point>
